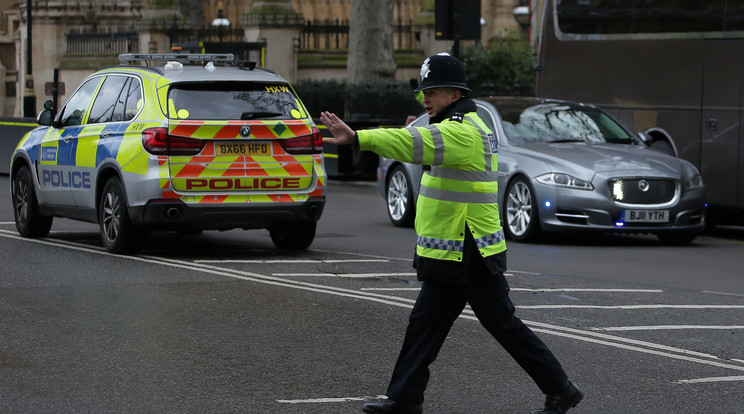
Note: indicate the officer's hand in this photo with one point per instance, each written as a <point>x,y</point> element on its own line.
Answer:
<point>342,133</point>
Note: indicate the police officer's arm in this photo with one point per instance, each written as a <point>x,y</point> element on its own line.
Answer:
<point>414,145</point>
<point>342,133</point>
<point>447,144</point>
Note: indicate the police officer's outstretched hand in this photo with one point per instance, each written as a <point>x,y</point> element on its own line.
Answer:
<point>342,133</point>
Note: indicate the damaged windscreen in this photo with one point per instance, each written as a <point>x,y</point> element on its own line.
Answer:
<point>552,122</point>
<point>233,101</point>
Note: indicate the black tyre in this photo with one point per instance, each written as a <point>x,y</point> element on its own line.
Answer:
<point>521,222</point>
<point>29,221</point>
<point>118,234</point>
<point>400,198</point>
<point>294,235</point>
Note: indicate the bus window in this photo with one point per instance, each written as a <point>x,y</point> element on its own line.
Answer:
<point>647,16</point>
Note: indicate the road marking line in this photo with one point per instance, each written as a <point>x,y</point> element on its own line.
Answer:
<point>632,307</point>
<point>344,275</point>
<point>406,259</point>
<point>636,342</point>
<point>523,272</point>
<point>548,290</point>
<point>549,329</point>
<point>665,327</point>
<point>403,289</point>
<point>331,400</point>
<point>293,261</point>
<point>589,290</point>
<point>724,293</point>
<point>710,379</point>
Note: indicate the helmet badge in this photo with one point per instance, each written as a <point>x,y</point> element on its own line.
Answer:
<point>425,71</point>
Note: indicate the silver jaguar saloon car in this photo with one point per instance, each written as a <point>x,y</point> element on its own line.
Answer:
<point>566,166</point>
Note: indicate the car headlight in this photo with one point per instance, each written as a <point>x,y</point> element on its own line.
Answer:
<point>565,180</point>
<point>695,182</point>
<point>691,178</point>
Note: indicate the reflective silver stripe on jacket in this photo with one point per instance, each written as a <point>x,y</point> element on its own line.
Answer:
<point>436,136</point>
<point>490,240</point>
<point>459,197</point>
<point>462,175</point>
<point>440,244</point>
<point>418,146</point>
<point>486,143</point>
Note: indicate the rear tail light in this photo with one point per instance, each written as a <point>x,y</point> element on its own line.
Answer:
<point>157,142</point>
<point>305,144</point>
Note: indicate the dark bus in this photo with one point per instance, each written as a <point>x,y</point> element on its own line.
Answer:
<point>667,68</point>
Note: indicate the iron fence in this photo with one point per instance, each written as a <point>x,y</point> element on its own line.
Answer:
<point>334,34</point>
<point>102,43</point>
<point>314,34</point>
<point>325,34</point>
<point>208,34</point>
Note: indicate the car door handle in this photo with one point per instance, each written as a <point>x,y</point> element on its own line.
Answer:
<point>107,133</point>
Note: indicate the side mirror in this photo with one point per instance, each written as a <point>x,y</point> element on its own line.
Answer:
<point>659,139</point>
<point>47,115</point>
<point>645,138</point>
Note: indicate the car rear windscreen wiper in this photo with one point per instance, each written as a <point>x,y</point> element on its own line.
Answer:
<point>255,115</point>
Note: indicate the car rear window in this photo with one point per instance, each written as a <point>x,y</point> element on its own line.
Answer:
<point>233,101</point>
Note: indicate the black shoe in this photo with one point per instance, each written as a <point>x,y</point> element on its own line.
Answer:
<point>561,402</point>
<point>392,407</point>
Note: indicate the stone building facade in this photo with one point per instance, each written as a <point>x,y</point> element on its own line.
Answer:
<point>78,36</point>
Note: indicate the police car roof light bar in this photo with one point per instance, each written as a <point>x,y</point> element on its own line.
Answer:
<point>127,58</point>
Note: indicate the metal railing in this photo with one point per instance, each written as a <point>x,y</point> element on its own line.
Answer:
<point>314,34</point>
<point>102,43</point>
<point>209,34</point>
<point>334,34</point>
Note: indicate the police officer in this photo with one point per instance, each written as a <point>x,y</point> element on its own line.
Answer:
<point>460,248</point>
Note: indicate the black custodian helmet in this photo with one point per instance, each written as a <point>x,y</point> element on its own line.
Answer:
<point>442,71</point>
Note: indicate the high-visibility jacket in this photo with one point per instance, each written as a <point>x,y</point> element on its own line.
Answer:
<point>460,187</point>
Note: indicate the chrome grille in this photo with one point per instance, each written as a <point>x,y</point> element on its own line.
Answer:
<point>642,190</point>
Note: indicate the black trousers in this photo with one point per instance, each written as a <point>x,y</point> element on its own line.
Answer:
<point>438,306</point>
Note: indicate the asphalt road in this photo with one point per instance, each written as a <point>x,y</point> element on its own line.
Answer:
<point>224,323</point>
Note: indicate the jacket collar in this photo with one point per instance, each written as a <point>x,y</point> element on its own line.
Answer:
<point>455,110</point>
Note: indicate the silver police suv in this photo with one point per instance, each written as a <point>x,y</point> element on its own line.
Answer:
<point>186,142</point>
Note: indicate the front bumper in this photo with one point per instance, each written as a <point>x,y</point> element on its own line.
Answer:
<point>576,210</point>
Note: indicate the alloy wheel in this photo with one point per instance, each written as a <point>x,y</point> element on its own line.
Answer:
<point>21,201</point>
<point>397,198</point>
<point>519,208</point>
<point>111,215</point>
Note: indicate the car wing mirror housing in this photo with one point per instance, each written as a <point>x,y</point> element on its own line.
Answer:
<point>46,116</point>
<point>660,140</point>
